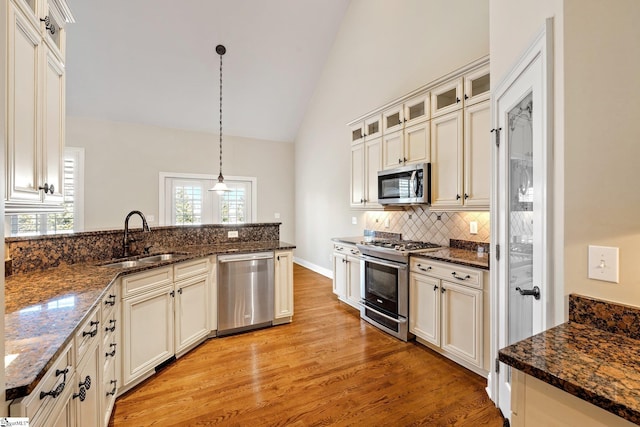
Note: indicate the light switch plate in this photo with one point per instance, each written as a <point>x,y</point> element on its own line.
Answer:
<point>354,220</point>
<point>473,227</point>
<point>603,263</point>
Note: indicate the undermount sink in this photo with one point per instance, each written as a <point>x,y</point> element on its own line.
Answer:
<point>156,258</point>
<point>122,264</point>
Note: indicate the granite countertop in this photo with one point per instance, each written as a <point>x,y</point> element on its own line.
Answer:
<point>594,356</point>
<point>43,309</point>
<point>461,254</point>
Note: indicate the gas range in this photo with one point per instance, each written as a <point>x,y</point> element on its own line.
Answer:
<point>395,250</point>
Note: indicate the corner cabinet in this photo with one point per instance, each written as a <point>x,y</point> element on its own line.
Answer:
<point>35,41</point>
<point>346,274</point>
<point>447,311</point>
<point>283,286</point>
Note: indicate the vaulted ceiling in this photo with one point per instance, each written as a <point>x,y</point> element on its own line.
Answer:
<point>154,62</point>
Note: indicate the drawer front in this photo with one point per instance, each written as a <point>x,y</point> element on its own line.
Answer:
<point>109,301</point>
<point>146,281</point>
<point>191,268</point>
<point>447,271</point>
<point>88,333</point>
<point>44,397</point>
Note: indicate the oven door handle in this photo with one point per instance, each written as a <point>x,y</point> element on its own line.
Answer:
<point>391,264</point>
<point>393,319</point>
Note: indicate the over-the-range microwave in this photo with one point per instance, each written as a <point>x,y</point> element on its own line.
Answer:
<point>406,185</point>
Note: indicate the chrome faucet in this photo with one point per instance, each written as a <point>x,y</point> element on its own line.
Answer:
<point>145,228</point>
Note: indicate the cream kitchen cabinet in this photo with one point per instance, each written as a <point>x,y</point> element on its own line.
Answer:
<point>366,161</point>
<point>283,285</point>
<point>477,84</point>
<point>111,351</point>
<point>367,129</point>
<point>406,133</point>
<point>446,310</point>
<point>460,159</point>
<point>166,312</point>
<point>346,274</point>
<point>35,108</point>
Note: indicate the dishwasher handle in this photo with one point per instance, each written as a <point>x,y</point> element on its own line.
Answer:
<point>245,257</point>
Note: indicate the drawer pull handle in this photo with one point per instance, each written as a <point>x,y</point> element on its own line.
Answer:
<point>111,300</point>
<point>82,394</point>
<point>86,383</point>
<point>93,332</point>
<point>112,352</point>
<point>454,274</point>
<point>113,391</point>
<point>424,269</point>
<point>435,288</point>
<point>55,392</point>
<point>111,328</point>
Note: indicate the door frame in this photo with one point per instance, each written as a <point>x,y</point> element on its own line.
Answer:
<point>540,48</point>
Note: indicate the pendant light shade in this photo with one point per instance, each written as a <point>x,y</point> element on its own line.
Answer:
<point>220,186</point>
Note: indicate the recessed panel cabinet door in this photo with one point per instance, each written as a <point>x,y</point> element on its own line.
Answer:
<point>424,308</point>
<point>462,322</point>
<point>86,388</point>
<point>23,135</point>
<point>283,284</point>
<point>357,175</point>
<point>477,155</point>
<point>446,160</point>
<point>417,143</point>
<point>53,138</point>
<point>392,150</point>
<point>353,277</point>
<point>373,163</point>
<point>192,311</point>
<point>339,274</point>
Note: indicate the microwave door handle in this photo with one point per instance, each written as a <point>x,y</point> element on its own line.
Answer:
<point>414,183</point>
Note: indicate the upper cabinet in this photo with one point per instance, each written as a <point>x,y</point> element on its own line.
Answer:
<point>35,109</point>
<point>445,123</point>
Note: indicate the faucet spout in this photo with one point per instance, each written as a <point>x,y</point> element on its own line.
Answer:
<point>126,240</point>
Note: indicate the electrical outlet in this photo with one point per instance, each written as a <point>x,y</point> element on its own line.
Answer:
<point>232,234</point>
<point>354,220</point>
<point>603,263</point>
<point>386,223</point>
<point>150,218</point>
<point>276,215</point>
<point>473,227</point>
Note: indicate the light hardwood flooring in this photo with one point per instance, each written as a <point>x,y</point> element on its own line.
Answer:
<point>327,367</point>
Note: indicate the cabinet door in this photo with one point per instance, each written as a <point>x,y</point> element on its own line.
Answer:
<point>446,97</point>
<point>393,119</point>
<point>109,389</point>
<point>63,414</point>
<point>353,281</point>
<point>476,86</point>
<point>357,133</point>
<point>148,332</point>
<point>88,383</point>
<point>283,284</point>
<point>53,138</point>
<point>424,307</point>
<point>477,155</point>
<point>357,175</point>
<point>192,312</point>
<point>23,121</point>
<point>373,163</point>
<point>446,160</point>
<point>416,143</point>
<point>339,274</point>
<point>373,127</point>
<point>392,150</point>
<point>462,322</point>
<point>416,109</point>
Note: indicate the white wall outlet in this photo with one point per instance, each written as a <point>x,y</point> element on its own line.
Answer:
<point>354,220</point>
<point>603,263</point>
<point>386,223</point>
<point>232,234</point>
<point>150,218</point>
<point>276,215</point>
<point>473,227</point>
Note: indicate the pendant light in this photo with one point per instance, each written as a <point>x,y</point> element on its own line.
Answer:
<point>220,186</point>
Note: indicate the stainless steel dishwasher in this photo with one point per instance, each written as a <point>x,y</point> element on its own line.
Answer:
<point>245,292</point>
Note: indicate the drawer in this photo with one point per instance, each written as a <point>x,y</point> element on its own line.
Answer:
<point>52,389</point>
<point>191,268</point>
<point>88,333</point>
<point>146,281</point>
<point>346,249</point>
<point>109,301</point>
<point>447,271</point>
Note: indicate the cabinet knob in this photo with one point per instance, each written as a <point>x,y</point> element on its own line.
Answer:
<point>47,188</point>
<point>457,197</point>
<point>399,161</point>
<point>457,100</point>
<point>405,159</point>
<point>48,24</point>
<point>466,196</point>
<point>466,96</point>
<point>442,290</point>
<point>435,287</point>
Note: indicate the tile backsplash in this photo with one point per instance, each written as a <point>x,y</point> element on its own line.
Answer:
<point>418,223</point>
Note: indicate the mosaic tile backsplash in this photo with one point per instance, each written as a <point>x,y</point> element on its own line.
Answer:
<point>418,223</point>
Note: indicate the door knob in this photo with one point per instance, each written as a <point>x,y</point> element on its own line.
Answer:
<point>535,292</point>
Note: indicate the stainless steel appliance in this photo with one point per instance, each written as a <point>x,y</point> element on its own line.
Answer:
<point>385,283</point>
<point>406,185</point>
<point>245,292</point>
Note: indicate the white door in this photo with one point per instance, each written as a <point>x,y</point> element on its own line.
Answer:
<point>520,209</point>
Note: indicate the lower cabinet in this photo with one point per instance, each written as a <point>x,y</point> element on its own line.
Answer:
<point>87,386</point>
<point>283,286</point>
<point>346,274</point>
<point>448,316</point>
<point>191,312</point>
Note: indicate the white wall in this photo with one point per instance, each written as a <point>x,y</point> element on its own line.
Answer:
<point>383,50</point>
<point>597,63</point>
<point>123,161</point>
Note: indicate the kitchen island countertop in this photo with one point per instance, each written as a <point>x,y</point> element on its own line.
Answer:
<point>43,309</point>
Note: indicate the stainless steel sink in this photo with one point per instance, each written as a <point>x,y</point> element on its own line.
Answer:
<point>156,258</point>
<point>122,264</point>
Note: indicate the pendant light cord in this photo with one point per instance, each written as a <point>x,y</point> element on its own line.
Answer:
<point>220,116</point>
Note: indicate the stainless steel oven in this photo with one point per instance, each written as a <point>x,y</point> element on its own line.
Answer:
<point>385,291</point>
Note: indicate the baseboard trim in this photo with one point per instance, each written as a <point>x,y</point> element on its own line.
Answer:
<point>313,267</point>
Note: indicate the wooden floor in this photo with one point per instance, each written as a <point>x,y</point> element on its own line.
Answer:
<point>328,367</point>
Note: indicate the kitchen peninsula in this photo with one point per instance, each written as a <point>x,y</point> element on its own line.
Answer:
<point>60,284</point>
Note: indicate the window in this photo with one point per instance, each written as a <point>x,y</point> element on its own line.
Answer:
<point>186,199</point>
<point>70,219</point>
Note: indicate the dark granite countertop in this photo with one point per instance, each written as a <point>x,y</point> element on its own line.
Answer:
<point>591,357</point>
<point>43,309</point>
<point>461,254</point>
